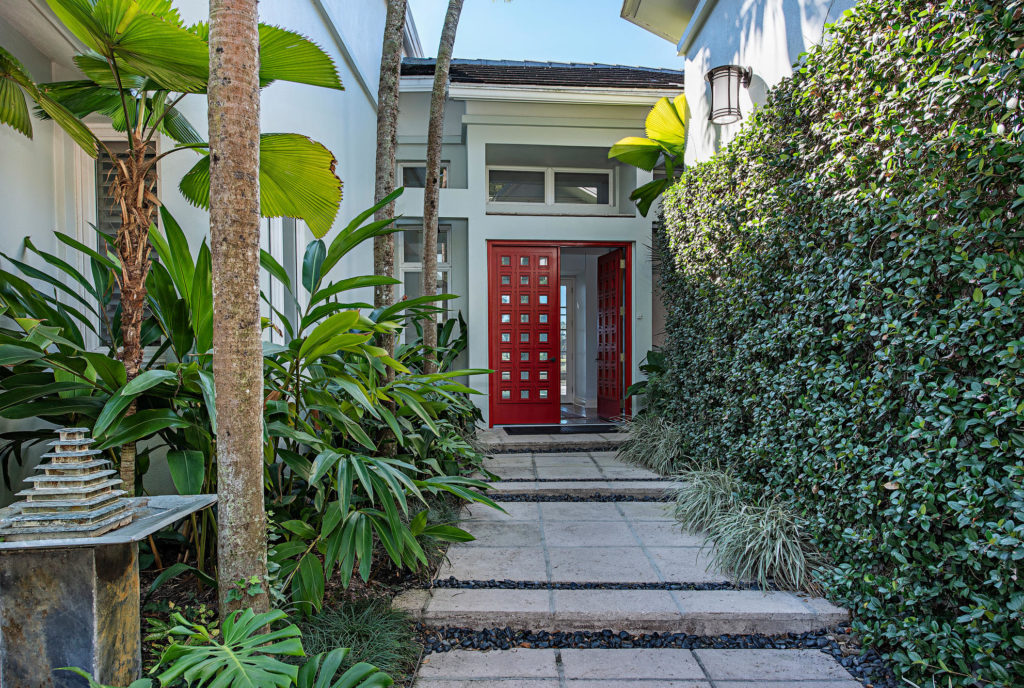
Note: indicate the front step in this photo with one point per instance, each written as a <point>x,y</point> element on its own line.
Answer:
<point>496,440</point>
<point>695,612</point>
<point>584,488</point>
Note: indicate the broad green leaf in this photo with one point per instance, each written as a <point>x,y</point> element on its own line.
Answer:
<point>188,470</point>
<point>312,262</point>
<point>147,380</point>
<point>637,151</point>
<point>666,123</point>
<point>140,425</point>
<point>288,56</point>
<point>297,179</point>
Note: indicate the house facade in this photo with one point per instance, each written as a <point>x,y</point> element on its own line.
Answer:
<point>538,237</point>
<point>764,36</point>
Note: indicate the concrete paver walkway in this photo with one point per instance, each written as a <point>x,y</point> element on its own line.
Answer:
<point>642,573</point>
<point>664,668</point>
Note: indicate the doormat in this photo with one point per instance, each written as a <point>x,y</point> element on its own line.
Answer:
<point>574,429</point>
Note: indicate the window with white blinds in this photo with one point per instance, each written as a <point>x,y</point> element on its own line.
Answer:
<point>108,220</point>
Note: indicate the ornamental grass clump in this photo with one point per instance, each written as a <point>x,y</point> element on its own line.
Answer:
<point>766,544</point>
<point>653,443</point>
<point>702,497</point>
<point>757,542</point>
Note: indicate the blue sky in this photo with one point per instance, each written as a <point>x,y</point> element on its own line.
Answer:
<point>556,30</point>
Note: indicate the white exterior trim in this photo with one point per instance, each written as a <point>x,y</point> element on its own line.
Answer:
<point>530,93</point>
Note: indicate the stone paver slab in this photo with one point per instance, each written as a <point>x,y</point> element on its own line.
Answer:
<point>667,534</point>
<point>631,664</point>
<point>685,564</point>
<point>573,471</point>
<point>485,563</point>
<point>596,610</point>
<point>850,683</point>
<point>503,534</point>
<point>771,665</point>
<point>481,666</point>
<point>646,511</point>
<point>625,683</point>
<point>600,565</point>
<point>586,533</point>
<point>514,511</point>
<point>621,472</point>
<point>488,607</point>
<point>580,511</point>
<point>510,683</point>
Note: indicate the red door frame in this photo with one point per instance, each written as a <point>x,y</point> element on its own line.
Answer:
<point>627,343</point>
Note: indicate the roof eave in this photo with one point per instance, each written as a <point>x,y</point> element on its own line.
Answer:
<point>666,19</point>
<point>542,93</point>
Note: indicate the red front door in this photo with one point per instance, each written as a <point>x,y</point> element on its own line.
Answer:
<point>611,281</point>
<point>523,314</point>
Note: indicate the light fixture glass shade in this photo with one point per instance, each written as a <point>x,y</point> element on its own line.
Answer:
<point>726,82</point>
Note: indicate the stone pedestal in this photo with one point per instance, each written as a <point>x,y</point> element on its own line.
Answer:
<point>75,601</point>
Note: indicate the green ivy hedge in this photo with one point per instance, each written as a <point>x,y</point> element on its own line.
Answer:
<point>845,325</point>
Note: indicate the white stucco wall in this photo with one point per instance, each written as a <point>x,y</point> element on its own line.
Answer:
<point>766,35</point>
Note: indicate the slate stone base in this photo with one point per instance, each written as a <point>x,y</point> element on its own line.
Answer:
<point>69,607</point>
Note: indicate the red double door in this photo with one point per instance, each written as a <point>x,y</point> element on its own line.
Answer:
<point>611,326</point>
<point>523,306</point>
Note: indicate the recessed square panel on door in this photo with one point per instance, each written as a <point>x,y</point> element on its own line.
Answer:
<point>523,330</point>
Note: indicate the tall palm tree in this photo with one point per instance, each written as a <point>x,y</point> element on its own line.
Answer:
<point>431,191</point>
<point>234,118</point>
<point>387,138</point>
<point>140,62</point>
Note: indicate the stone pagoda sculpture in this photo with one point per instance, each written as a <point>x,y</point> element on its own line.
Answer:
<point>75,495</point>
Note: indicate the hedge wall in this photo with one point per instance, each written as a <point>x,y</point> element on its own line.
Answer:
<point>845,323</point>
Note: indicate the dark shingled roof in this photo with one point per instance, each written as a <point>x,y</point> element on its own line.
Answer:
<point>512,72</point>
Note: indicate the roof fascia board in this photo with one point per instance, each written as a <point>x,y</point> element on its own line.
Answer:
<point>693,29</point>
<point>537,93</point>
<point>560,94</point>
<point>629,125</point>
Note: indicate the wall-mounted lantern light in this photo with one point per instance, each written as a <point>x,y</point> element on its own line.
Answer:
<point>725,92</point>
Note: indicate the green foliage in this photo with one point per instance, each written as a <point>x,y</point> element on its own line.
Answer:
<point>243,654</point>
<point>844,284</point>
<point>351,457</point>
<point>376,633</point>
<point>239,656</point>
<point>666,127</point>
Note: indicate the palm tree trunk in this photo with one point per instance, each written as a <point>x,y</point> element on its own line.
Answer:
<point>387,138</point>
<point>431,192</point>
<point>234,119</point>
<point>134,193</point>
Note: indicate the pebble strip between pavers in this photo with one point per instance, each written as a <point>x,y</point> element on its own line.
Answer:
<point>612,542</point>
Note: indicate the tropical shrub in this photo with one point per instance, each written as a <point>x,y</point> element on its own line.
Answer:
<point>844,284</point>
<point>331,409</point>
<point>131,77</point>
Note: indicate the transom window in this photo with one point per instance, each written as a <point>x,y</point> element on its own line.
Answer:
<point>549,186</point>
<point>414,175</point>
